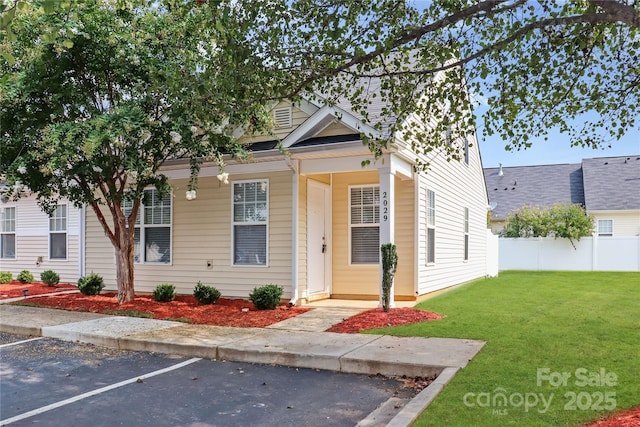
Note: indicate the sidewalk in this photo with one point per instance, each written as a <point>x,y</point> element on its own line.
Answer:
<point>296,342</point>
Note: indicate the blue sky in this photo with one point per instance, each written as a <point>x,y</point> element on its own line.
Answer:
<point>553,151</point>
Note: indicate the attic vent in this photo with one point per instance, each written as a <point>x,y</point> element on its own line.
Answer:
<point>283,117</point>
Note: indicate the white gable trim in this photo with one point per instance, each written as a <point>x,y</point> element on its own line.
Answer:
<point>323,118</point>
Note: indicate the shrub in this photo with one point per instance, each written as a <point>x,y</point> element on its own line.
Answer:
<point>266,297</point>
<point>50,277</point>
<point>164,292</point>
<point>206,294</point>
<point>25,276</point>
<point>6,277</point>
<point>91,284</point>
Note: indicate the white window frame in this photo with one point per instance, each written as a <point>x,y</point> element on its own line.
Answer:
<point>606,233</point>
<point>264,222</point>
<point>466,151</point>
<point>142,227</point>
<point>466,235</point>
<point>8,228</point>
<point>430,224</point>
<point>376,206</point>
<point>59,224</point>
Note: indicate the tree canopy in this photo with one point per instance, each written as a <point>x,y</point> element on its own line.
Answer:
<point>96,96</point>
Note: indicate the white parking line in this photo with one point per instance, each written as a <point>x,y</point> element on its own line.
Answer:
<point>20,342</point>
<point>94,392</point>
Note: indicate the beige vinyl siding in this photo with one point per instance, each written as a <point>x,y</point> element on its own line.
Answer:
<point>202,231</point>
<point>32,241</point>
<point>456,186</point>
<point>335,129</point>
<point>624,223</point>
<point>297,117</point>
<point>365,279</point>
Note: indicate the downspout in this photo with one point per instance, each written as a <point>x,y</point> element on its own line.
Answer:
<point>294,166</point>
<point>81,243</point>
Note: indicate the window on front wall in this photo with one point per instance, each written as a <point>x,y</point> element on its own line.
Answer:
<point>431,228</point>
<point>250,218</point>
<point>605,227</point>
<point>466,234</point>
<point>364,224</point>
<point>8,233</point>
<point>58,233</point>
<point>152,234</point>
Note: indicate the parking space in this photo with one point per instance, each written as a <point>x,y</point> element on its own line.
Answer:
<point>52,383</point>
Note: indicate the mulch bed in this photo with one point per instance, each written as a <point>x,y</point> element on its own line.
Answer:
<point>377,318</point>
<point>15,288</point>
<point>627,418</point>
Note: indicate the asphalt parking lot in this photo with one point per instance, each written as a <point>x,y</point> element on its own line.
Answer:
<point>47,382</point>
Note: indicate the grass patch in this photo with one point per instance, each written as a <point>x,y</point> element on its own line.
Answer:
<point>562,321</point>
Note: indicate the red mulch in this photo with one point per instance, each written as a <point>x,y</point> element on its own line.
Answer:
<point>626,418</point>
<point>377,318</point>
<point>15,288</point>
<point>226,312</point>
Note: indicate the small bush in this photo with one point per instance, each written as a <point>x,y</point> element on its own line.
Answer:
<point>25,276</point>
<point>50,277</point>
<point>91,284</point>
<point>164,292</point>
<point>6,277</point>
<point>266,297</point>
<point>206,294</point>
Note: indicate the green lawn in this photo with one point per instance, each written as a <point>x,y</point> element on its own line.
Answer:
<point>538,326</point>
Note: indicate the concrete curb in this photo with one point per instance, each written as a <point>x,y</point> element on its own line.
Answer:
<point>418,404</point>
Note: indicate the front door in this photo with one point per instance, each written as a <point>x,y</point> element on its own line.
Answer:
<point>318,239</point>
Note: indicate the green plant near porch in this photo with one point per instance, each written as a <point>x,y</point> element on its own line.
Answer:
<point>389,264</point>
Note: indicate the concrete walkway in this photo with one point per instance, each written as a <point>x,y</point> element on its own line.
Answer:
<point>296,342</point>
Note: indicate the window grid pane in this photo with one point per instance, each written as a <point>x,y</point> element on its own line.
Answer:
<point>8,246</point>
<point>250,216</point>
<point>152,235</point>
<point>605,227</point>
<point>365,224</point>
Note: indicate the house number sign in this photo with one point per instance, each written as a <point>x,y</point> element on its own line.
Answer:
<point>385,206</point>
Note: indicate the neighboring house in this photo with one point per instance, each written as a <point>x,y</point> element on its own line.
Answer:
<point>32,240</point>
<point>312,219</point>
<point>607,187</point>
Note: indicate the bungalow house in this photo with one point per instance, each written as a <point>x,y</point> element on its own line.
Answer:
<point>607,187</point>
<point>310,218</point>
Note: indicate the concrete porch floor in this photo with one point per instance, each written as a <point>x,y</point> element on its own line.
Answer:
<point>357,304</point>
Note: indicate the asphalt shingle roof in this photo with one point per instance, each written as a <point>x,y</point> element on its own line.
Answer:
<point>612,183</point>
<point>533,186</point>
<point>603,183</point>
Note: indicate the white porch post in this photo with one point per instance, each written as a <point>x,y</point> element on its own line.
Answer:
<point>387,218</point>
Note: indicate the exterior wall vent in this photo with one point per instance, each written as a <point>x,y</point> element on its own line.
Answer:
<point>283,117</point>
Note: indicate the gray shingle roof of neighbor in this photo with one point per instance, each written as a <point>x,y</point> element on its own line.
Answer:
<point>541,185</point>
<point>612,183</point>
<point>599,184</point>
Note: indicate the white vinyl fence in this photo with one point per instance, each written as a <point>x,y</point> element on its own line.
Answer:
<point>590,254</point>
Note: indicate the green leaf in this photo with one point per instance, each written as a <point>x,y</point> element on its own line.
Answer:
<point>68,43</point>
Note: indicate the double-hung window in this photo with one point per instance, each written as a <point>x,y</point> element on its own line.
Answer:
<point>364,204</point>
<point>466,234</point>
<point>152,234</point>
<point>431,227</point>
<point>8,233</point>
<point>605,227</point>
<point>250,218</point>
<point>58,233</point>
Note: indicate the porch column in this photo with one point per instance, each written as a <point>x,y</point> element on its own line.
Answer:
<point>387,219</point>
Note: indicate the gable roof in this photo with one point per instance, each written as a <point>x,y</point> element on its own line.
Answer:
<point>612,183</point>
<point>542,185</point>
<point>603,183</point>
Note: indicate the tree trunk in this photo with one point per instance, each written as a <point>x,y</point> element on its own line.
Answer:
<point>124,268</point>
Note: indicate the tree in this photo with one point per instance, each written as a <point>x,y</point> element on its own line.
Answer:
<point>100,94</point>
<point>560,221</point>
<point>540,65</point>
